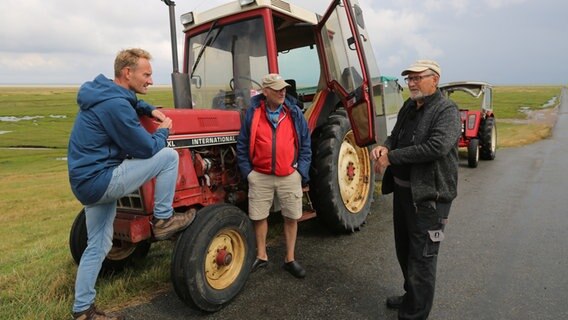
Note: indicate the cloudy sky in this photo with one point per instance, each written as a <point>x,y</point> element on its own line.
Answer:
<point>498,41</point>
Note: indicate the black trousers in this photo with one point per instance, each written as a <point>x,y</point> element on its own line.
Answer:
<point>418,231</point>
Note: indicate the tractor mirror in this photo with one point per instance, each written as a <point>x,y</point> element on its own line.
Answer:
<point>359,16</point>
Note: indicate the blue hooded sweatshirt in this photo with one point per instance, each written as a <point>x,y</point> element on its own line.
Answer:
<point>106,131</point>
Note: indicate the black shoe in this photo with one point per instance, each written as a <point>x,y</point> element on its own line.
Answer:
<point>394,302</point>
<point>258,263</point>
<point>295,269</point>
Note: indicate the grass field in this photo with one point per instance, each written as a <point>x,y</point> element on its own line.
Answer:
<point>37,207</point>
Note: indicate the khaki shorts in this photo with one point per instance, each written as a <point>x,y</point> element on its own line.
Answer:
<point>263,188</point>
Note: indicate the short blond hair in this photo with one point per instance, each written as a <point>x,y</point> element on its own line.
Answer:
<point>129,58</point>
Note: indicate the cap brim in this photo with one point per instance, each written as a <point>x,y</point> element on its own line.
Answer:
<point>278,86</point>
<point>415,69</point>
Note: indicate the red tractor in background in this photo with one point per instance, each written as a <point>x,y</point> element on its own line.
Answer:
<point>479,130</point>
<point>333,74</point>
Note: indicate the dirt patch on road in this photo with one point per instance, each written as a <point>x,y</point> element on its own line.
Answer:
<point>544,116</point>
<point>519,132</point>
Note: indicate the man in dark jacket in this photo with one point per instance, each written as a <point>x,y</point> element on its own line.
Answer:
<point>111,155</point>
<point>274,155</point>
<point>421,155</point>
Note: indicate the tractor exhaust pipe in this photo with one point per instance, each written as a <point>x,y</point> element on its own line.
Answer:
<point>180,81</point>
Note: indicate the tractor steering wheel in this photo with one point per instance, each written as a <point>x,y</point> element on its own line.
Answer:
<point>232,82</point>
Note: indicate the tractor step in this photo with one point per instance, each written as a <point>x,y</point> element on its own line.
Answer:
<point>132,227</point>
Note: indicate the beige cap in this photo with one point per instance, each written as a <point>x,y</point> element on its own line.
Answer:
<point>423,65</point>
<point>274,81</point>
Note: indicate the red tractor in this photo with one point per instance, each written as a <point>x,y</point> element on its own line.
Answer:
<point>479,130</point>
<point>333,75</point>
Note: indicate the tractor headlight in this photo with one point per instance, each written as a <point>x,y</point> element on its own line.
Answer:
<point>246,2</point>
<point>471,122</point>
<point>186,18</point>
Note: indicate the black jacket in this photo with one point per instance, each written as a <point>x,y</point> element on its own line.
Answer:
<point>434,155</point>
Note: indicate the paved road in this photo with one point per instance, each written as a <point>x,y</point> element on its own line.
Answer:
<point>505,255</point>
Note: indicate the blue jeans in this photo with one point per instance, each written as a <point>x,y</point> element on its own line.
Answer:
<point>126,178</point>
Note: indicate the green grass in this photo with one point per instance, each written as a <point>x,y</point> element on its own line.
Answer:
<point>37,207</point>
<point>509,101</point>
<point>515,135</point>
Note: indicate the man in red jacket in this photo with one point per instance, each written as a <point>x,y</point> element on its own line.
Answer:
<point>274,154</point>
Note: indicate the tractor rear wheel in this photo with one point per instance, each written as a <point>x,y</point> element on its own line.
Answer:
<point>488,139</point>
<point>212,259</point>
<point>473,153</point>
<point>121,254</point>
<point>342,177</point>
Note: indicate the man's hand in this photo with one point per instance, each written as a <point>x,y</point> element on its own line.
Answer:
<point>166,123</point>
<point>159,115</point>
<point>378,151</point>
<point>381,161</point>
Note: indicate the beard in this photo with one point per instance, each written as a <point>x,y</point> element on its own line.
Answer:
<point>418,96</point>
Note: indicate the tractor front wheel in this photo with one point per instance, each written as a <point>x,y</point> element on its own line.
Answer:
<point>212,258</point>
<point>121,254</point>
<point>473,153</point>
<point>342,177</point>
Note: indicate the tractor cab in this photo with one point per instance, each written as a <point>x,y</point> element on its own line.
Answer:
<point>228,50</point>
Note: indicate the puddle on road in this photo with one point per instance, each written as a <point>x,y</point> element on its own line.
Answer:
<point>27,118</point>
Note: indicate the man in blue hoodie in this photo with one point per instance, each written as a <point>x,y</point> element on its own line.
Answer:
<point>111,155</point>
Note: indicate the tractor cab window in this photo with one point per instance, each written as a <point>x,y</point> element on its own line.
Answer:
<point>487,103</point>
<point>301,68</point>
<point>388,101</point>
<point>225,64</point>
<point>342,61</point>
<point>298,60</point>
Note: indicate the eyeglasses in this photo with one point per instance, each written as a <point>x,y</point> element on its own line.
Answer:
<point>417,78</point>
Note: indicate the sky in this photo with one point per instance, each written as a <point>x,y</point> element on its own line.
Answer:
<point>504,42</point>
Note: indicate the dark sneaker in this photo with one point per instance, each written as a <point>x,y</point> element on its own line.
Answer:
<point>93,314</point>
<point>394,302</point>
<point>295,269</point>
<point>165,228</point>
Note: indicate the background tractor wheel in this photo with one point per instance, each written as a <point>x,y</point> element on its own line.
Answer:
<point>488,135</point>
<point>212,258</point>
<point>473,153</point>
<point>342,177</point>
<point>121,254</point>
